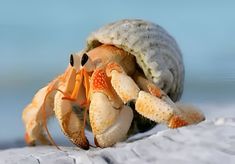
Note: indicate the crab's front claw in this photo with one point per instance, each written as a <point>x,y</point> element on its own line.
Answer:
<point>110,119</point>
<point>49,101</point>
<point>71,121</point>
<point>163,110</point>
<point>67,110</point>
<point>109,125</point>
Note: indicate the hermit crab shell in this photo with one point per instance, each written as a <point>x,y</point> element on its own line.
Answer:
<point>156,51</point>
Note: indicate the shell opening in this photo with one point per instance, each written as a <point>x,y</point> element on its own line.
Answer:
<point>139,63</point>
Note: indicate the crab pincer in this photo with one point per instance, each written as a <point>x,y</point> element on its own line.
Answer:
<point>57,98</point>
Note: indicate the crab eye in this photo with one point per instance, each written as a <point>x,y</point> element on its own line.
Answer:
<point>71,60</point>
<point>84,59</point>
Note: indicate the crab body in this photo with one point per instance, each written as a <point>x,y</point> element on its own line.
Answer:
<point>119,85</point>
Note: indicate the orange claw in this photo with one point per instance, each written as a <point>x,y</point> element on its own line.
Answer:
<point>82,78</point>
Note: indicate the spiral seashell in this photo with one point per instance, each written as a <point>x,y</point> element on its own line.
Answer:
<point>156,51</point>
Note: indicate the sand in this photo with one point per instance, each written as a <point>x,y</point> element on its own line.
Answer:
<point>208,142</point>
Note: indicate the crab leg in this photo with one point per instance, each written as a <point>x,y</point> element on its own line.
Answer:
<point>32,118</point>
<point>151,103</point>
<point>49,99</point>
<point>147,85</point>
<point>110,119</point>
<point>41,105</point>
<point>182,114</point>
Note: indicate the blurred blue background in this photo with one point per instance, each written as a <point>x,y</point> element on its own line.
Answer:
<point>36,38</point>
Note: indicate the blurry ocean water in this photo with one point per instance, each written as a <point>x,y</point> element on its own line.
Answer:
<point>36,39</point>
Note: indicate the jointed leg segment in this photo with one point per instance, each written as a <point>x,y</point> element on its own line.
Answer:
<point>152,102</point>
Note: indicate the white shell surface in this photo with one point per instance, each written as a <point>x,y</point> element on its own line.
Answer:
<point>156,52</point>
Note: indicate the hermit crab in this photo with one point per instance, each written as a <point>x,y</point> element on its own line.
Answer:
<point>126,80</point>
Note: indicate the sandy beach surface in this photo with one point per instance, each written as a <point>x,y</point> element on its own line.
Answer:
<point>207,142</point>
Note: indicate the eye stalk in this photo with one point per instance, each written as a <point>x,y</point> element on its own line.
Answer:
<point>84,59</point>
<point>71,60</point>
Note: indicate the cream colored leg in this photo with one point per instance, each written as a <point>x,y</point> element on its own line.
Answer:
<point>153,103</point>
<point>165,111</point>
<point>33,117</point>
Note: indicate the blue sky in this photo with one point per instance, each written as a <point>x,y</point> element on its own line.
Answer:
<point>38,36</point>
